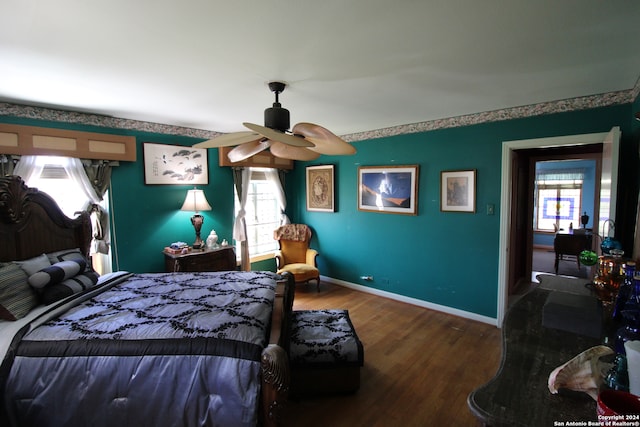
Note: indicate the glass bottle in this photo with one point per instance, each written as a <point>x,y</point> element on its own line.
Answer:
<point>630,329</point>
<point>624,293</point>
<point>618,376</point>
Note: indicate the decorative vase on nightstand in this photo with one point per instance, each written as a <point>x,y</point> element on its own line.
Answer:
<point>212,240</point>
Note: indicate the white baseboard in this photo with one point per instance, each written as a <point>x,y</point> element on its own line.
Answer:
<point>413,301</point>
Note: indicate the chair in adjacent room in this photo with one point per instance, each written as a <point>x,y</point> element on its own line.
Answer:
<point>294,255</point>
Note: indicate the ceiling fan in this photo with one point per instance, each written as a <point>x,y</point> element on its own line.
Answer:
<point>305,141</point>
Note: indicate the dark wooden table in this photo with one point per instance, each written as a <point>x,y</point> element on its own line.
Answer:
<point>518,395</point>
<point>571,244</point>
<point>220,259</point>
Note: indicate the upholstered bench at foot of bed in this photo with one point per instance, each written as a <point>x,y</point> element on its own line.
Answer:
<point>325,352</point>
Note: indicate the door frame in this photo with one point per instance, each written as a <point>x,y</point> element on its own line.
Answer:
<point>506,200</point>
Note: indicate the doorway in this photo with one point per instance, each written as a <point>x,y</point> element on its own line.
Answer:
<point>516,207</point>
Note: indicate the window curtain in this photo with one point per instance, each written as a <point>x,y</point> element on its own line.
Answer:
<point>31,167</point>
<point>560,175</point>
<point>241,179</point>
<point>99,174</point>
<point>7,164</point>
<point>276,178</point>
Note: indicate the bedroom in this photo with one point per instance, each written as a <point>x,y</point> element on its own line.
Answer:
<point>434,270</point>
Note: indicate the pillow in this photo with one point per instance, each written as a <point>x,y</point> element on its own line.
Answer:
<point>68,254</point>
<point>34,265</point>
<point>57,272</point>
<point>16,296</point>
<point>79,283</point>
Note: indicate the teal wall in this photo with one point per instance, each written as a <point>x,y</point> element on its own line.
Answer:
<point>148,217</point>
<point>442,258</point>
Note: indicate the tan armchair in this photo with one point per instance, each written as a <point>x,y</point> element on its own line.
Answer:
<point>294,255</point>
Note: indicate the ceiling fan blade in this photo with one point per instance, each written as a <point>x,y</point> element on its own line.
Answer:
<point>229,139</point>
<point>286,151</point>
<point>325,141</point>
<point>276,135</point>
<point>248,149</point>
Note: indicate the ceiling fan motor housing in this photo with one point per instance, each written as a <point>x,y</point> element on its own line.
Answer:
<point>277,117</point>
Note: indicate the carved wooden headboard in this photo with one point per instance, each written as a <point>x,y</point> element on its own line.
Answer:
<point>31,223</point>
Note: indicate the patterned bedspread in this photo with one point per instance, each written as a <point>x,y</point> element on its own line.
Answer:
<point>166,349</point>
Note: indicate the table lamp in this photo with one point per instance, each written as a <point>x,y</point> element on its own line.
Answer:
<point>196,202</point>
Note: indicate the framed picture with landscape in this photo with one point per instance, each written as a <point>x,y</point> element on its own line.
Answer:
<point>458,191</point>
<point>175,164</point>
<point>388,189</point>
<point>320,188</point>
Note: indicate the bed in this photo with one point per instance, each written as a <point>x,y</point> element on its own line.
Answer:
<point>144,349</point>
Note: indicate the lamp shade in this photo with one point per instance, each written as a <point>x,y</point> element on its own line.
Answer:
<point>195,201</point>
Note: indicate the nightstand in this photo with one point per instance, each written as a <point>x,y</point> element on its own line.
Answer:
<point>219,259</point>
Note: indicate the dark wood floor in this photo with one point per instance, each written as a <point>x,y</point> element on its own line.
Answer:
<point>419,367</point>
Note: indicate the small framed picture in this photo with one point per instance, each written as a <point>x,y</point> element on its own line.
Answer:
<point>388,189</point>
<point>458,191</point>
<point>175,164</point>
<point>320,188</point>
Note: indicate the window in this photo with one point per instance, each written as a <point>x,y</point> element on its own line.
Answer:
<point>57,177</point>
<point>558,198</point>
<point>56,182</point>
<point>262,214</point>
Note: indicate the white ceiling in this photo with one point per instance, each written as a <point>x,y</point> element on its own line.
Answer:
<point>351,65</point>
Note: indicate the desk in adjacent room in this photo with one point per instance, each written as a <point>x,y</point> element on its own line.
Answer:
<point>571,244</point>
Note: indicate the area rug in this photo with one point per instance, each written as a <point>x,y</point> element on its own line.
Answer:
<point>564,284</point>
<point>543,261</point>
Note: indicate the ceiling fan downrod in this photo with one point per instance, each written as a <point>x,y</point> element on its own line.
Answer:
<point>277,117</point>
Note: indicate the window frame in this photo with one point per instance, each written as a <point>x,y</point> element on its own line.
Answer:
<point>257,177</point>
<point>559,186</point>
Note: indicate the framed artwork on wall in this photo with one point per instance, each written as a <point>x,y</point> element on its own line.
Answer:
<point>388,189</point>
<point>458,191</point>
<point>320,188</point>
<point>175,164</point>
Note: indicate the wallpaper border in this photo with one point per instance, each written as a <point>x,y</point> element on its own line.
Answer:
<point>566,105</point>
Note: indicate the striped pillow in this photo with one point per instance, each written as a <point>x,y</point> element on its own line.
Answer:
<point>79,283</point>
<point>57,272</point>
<point>16,296</point>
<point>67,255</point>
